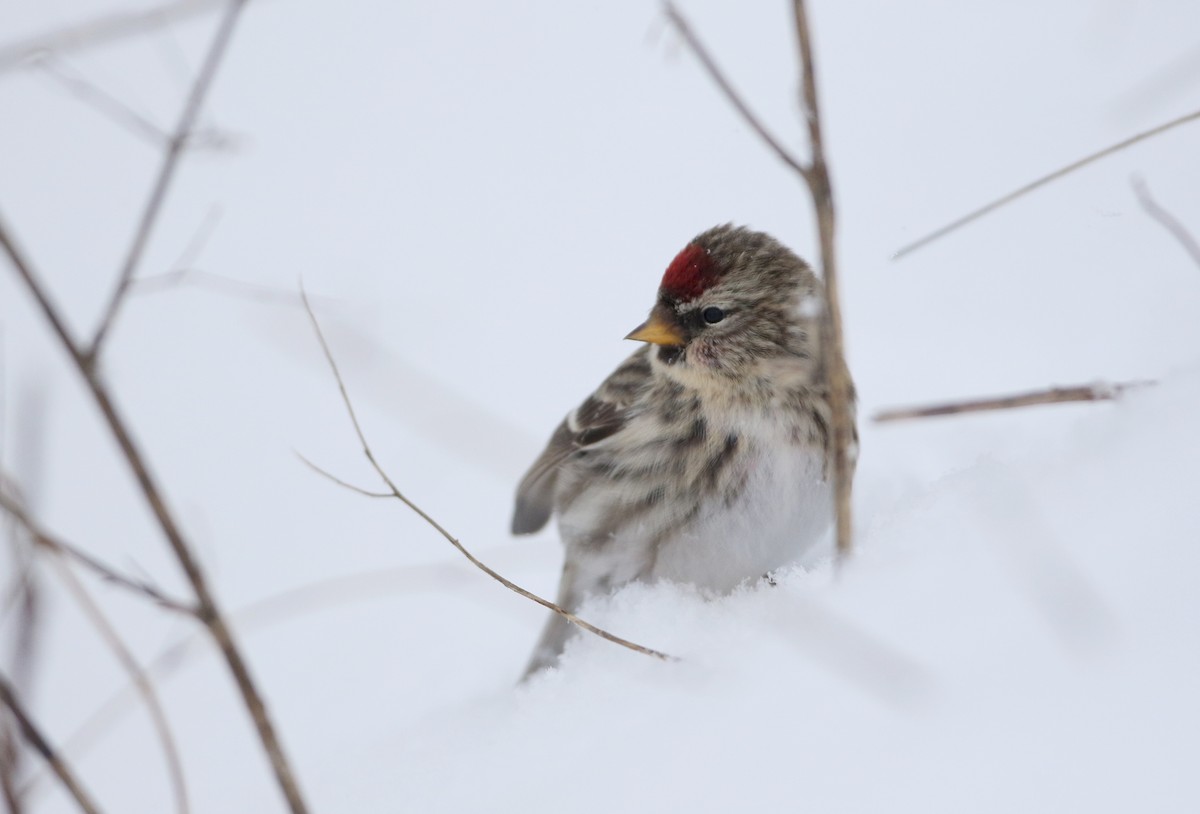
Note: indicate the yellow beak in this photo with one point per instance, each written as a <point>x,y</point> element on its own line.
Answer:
<point>657,331</point>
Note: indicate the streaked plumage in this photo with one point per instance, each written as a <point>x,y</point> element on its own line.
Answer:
<point>703,457</point>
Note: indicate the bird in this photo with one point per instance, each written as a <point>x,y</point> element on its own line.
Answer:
<point>705,458</point>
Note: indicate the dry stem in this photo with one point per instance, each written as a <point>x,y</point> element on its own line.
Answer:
<point>137,675</point>
<point>35,739</point>
<point>396,493</point>
<point>1040,182</point>
<point>1053,395</point>
<point>1168,221</point>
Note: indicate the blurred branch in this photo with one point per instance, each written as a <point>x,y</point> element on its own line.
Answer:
<point>986,209</point>
<point>38,742</point>
<point>141,681</point>
<point>166,173</point>
<point>122,114</point>
<point>214,283</point>
<point>396,493</point>
<point>1168,221</point>
<point>102,101</point>
<point>102,30</point>
<point>207,606</point>
<point>14,509</point>
<point>1053,395</point>
<point>815,175</point>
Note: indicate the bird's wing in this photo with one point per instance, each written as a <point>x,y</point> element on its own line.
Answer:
<point>601,415</point>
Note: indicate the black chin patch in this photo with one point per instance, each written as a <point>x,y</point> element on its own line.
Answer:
<point>669,354</point>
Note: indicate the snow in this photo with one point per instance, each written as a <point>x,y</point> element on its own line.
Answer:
<point>480,200</point>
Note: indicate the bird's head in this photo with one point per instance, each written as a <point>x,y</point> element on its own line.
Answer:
<point>733,298</point>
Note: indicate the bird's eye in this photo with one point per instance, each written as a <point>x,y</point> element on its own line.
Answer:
<point>712,315</point>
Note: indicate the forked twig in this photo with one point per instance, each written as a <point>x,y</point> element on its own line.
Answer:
<point>396,493</point>
<point>815,175</point>
<point>1168,221</point>
<point>142,682</point>
<point>988,208</point>
<point>166,174</point>
<point>1053,395</point>
<point>34,737</point>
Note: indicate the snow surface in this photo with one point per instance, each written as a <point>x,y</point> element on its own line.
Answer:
<point>480,198</point>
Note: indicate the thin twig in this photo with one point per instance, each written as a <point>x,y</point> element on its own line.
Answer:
<point>102,30</point>
<point>395,492</point>
<point>1053,395</point>
<point>702,53</point>
<point>35,739</point>
<point>1041,182</point>
<point>207,606</point>
<point>166,174</point>
<point>1168,221</point>
<point>325,473</point>
<point>14,509</point>
<point>841,397</point>
<point>138,676</point>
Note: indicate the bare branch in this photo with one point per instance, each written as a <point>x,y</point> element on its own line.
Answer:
<point>693,42</point>
<point>1168,221</point>
<point>395,492</point>
<point>166,174</point>
<point>41,537</point>
<point>35,739</point>
<point>986,209</point>
<point>102,30</point>
<point>139,678</point>
<point>1053,395</point>
<point>207,606</point>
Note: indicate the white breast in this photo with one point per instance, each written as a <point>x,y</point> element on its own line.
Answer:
<point>779,516</point>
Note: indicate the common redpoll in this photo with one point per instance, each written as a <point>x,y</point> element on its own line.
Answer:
<point>704,458</point>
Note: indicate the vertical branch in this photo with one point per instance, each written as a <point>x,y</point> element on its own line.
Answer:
<point>832,346</point>
<point>35,739</point>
